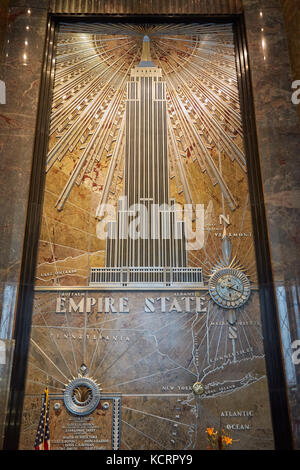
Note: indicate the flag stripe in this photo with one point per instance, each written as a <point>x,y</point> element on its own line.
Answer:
<point>42,440</point>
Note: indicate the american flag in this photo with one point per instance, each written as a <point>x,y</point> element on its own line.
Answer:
<point>42,440</point>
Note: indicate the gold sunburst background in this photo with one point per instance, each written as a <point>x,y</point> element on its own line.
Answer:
<point>85,164</point>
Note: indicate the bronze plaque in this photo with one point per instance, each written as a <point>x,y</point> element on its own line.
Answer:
<point>92,432</point>
<point>146,280</point>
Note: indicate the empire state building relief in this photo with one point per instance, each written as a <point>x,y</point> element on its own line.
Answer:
<point>158,256</point>
<point>159,138</point>
<point>146,324</point>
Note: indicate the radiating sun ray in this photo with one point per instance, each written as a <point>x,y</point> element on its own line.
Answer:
<point>92,66</point>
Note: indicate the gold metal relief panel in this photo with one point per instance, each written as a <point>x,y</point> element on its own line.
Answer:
<point>174,344</point>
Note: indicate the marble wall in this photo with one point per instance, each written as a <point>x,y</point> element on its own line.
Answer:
<point>291,16</point>
<point>278,140</point>
<point>3,21</point>
<point>279,143</point>
<point>21,63</point>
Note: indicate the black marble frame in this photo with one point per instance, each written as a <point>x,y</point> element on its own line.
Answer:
<point>270,323</point>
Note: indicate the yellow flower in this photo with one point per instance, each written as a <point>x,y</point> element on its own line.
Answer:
<point>210,431</point>
<point>227,440</point>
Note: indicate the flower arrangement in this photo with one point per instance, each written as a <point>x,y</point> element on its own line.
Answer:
<point>218,440</point>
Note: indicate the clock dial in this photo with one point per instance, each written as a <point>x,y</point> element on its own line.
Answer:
<point>229,288</point>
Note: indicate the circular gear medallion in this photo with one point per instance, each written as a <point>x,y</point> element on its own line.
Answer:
<point>81,396</point>
<point>229,288</point>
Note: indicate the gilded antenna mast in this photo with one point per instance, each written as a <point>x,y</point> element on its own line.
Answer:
<point>146,60</point>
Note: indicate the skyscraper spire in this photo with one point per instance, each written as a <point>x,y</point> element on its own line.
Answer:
<point>146,60</point>
<point>156,252</point>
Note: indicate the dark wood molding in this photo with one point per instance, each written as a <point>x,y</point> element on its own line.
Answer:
<point>154,7</point>
<point>271,327</point>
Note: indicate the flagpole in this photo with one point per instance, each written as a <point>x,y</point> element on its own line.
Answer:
<point>46,407</point>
